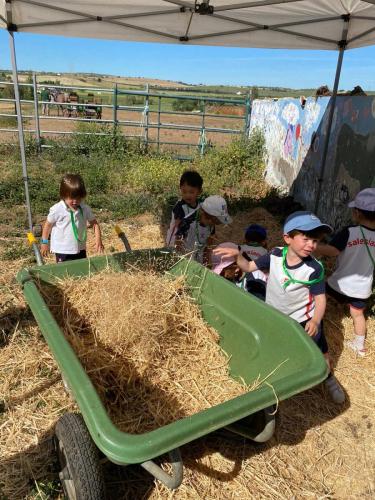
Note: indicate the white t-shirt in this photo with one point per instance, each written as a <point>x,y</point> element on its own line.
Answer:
<point>195,235</point>
<point>180,211</point>
<point>62,236</point>
<point>353,275</point>
<point>295,300</point>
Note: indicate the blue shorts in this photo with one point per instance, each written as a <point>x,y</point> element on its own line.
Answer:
<point>319,339</point>
<point>345,299</point>
<point>63,257</point>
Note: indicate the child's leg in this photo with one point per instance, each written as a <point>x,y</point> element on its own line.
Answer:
<point>359,322</point>
<point>333,387</point>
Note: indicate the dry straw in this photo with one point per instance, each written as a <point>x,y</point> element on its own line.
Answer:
<point>145,346</point>
<point>320,450</point>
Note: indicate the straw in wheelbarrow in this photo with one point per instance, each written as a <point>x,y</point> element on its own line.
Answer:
<point>145,346</point>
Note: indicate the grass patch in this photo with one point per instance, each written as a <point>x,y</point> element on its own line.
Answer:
<point>121,180</point>
<point>15,251</point>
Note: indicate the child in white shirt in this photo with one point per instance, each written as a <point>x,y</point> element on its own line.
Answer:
<point>195,233</point>
<point>68,221</point>
<point>352,280</point>
<point>295,284</point>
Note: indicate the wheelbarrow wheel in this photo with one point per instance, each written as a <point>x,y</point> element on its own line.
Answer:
<point>81,474</point>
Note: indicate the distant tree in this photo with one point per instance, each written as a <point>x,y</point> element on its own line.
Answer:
<point>28,92</point>
<point>254,92</point>
<point>25,92</point>
<point>188,105</point>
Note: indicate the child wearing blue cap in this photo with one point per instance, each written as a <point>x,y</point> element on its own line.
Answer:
<point>255,246</point>
<point>295,284</point>
<point>352,280</point>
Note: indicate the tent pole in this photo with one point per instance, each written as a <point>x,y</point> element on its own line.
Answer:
<point>332,104</point>
<point>20,128</point>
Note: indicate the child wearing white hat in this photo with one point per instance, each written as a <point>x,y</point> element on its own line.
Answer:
<point>352,280</point>
<point>195,232</point>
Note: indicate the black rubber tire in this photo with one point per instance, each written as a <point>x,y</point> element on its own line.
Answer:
<point>79,459</point>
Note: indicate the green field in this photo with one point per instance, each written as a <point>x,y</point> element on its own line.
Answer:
<point>129,83</point>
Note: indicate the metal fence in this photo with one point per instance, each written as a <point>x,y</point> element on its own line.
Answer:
<point>144,114</point>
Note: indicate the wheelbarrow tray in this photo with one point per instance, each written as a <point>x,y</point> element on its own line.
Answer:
<point>261,342</point>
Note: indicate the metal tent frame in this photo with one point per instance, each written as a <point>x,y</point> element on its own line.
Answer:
<point>296,33</point>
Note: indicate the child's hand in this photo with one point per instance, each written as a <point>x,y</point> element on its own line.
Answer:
<point>226,252</point>
<point>99,247</point>
<point>44,249</point>
<point>311,328</point>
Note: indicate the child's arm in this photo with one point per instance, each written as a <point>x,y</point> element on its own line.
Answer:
<point>320,308</point>
<point>99,247</point>
<point>181,232</point>
<point>176,225</point>
<point>336,245</point>
<point>327,250</point>
<point>47,228</point>
<point>178,215</point>
<point>243,264</point>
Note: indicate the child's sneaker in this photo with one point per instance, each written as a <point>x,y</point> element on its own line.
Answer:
<point>335,390</point>
<point>352,344</point>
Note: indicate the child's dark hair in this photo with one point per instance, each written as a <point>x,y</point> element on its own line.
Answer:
<point>255,233</point>
<point>317,233</point>
<point>192,179</point>
<point>72,186</point>
<point>366,214</point>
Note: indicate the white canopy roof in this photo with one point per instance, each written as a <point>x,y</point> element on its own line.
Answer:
<point>293,24</point>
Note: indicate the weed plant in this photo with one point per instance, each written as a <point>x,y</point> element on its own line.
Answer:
<point>121,179</point>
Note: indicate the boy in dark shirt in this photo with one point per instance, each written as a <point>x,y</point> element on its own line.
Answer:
<point>191,188</point>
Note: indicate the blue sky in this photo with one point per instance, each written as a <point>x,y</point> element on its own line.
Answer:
<point>190,64</point>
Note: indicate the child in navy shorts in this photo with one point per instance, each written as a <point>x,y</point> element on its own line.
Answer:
<point>295,284</point>
<point>67,222</point>
<point>352,280</point>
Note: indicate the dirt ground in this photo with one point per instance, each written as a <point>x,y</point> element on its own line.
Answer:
<point>320,450</point>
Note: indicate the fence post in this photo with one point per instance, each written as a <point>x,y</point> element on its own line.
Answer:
<point>36,114</point>
<point>159,109</point>
<point>146,111</point>
<point>114,102</point>
<point>202,138</point>
<point>247,116</point>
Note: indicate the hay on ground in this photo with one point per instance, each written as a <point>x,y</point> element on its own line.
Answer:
<point>320,450</point>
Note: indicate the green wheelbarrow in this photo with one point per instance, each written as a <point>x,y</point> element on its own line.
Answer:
<point>261,342</point>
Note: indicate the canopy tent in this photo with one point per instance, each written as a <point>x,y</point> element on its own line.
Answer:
<point>289,24</point>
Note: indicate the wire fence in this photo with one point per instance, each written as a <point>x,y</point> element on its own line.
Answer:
<point>159,119</point>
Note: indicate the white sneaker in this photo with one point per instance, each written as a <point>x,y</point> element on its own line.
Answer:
<point>335,390</point>
<point>354,347</point>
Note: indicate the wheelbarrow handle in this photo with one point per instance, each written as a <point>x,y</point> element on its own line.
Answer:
<point>172,481</point>
<point>120,233</point>
<point>32,242</point>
